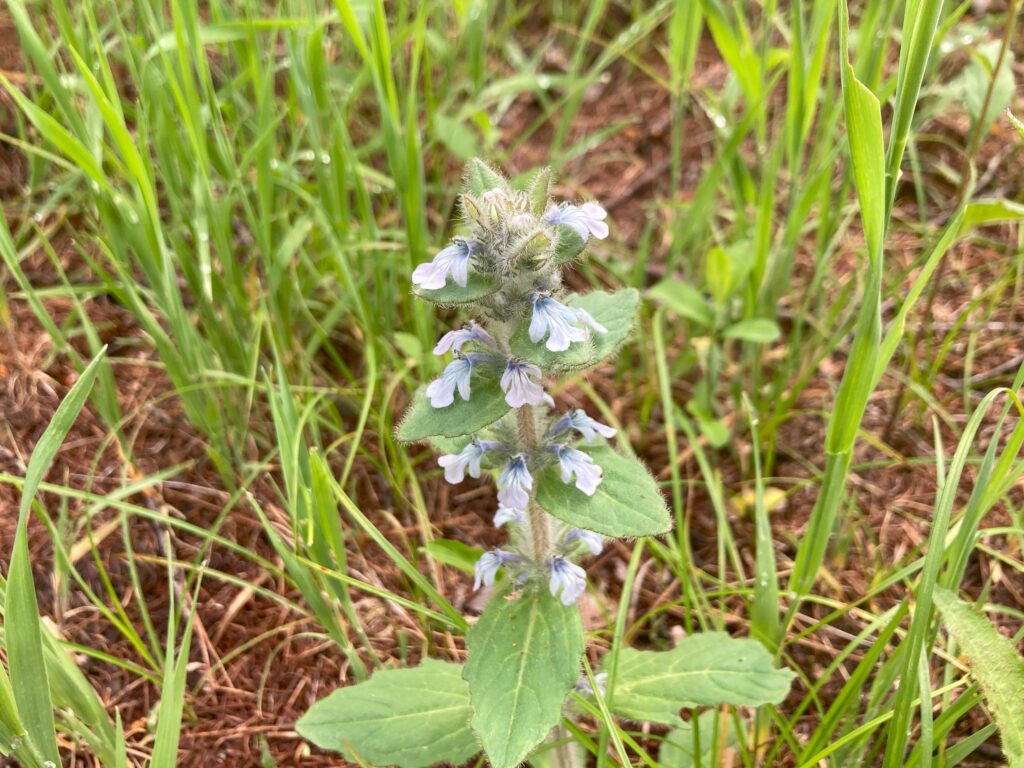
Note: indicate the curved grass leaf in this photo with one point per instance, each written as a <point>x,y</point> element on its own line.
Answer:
<point>25,657</point>
<point>404,717</point>
<point>524,658</point>
<point>707,669</point>
<point>485,406</point>
<point>627,503</point>
<point>615,311</point>
<point>996,666</point>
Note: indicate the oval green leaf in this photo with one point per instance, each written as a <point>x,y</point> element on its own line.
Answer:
<point>626,504</point>
<point>524,659</point>
<point>478,286</point>
<point>405,717</point>
<point>422,420</point>
<point>615,311</point>
<point>707,669</point>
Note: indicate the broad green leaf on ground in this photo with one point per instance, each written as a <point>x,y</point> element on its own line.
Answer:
<point>524,659</point>
<point>405,717</point>
<point>480,178</point>
<point>626,504</point>
<point>485,406</point>
<point>683,299</point>
<point>677,750</point>
<point>24,637</point>
<point>478,286</point>
<point>707,669</point>
<point>996,666</point>
<point>615,311</point>
<point>757,329</point>
<point>568,244</point>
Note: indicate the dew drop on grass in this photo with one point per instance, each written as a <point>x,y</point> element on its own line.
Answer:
<point>49,764</point>
<point>325,158</point>
<point>543,82</point>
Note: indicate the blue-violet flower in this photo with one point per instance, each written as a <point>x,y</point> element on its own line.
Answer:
<point>508,515</point>
<point>487,566</point>
<point>441,392</point>
<point>587,219</point>
<point>592,541</point>
<point>572,462</point>
<point>518,384</point>
<point>456,464</point>
<point>568,578</point>
<point>588,428</point>
<point>515,483</point>
<point>453,260</point>
<point>453,340</point>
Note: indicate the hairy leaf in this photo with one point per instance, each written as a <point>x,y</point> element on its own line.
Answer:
<point>478,286</point>
<point>615,311</point>
<point>627,503</point>
<point>404,717</point>
<point>706,669</point>
<point>524,658</point>
<point>485,406</point>
<point>994,664</point>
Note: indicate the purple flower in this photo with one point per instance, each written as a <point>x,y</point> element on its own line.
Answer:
<point>456,464</point>
<point>519,386</point>
<point>563,325</point>
<point>587,219</point>
<point>452,260</point>
<point>578,420</point>
<point>592,541</point>
<point>568,578</point>
<point>554,318</point>
<point>573,462</point>
<point>601,678</point>
<point>441,392</point>
<point>508,515</point>
<point>487,566</point>
<point>515,483</point>
<point>453,340</point>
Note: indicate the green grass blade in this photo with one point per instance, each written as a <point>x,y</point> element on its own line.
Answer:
<point>21,619</point>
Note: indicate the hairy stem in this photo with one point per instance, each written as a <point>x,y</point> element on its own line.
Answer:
<point>540,525</point>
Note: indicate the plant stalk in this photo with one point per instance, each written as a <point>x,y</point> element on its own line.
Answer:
<point>540,526</point>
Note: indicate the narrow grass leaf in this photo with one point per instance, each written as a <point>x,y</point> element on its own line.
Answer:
<point>24,632</point>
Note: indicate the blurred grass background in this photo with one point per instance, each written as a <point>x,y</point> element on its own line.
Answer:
<point>231,196</point>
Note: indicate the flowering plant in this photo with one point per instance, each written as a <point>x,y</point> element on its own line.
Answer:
<point>561,489</point>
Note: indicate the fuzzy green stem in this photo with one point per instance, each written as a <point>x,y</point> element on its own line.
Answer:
<point>540,525</point>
